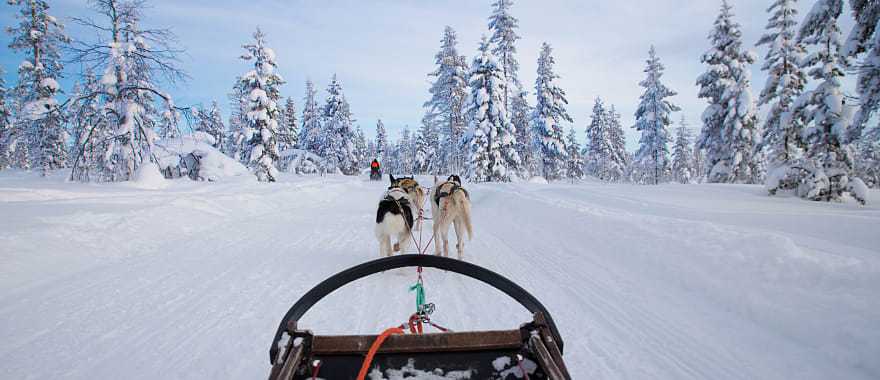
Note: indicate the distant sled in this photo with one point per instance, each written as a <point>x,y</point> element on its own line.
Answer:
<point>533,350</point>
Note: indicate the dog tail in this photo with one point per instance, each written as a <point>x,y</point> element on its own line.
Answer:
<point>464,204</point>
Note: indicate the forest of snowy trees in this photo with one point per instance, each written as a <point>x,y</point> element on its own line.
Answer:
<point>801,133</point>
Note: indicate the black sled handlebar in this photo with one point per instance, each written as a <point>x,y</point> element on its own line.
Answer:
<point>430,261</point>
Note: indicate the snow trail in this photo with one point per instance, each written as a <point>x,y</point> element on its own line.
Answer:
<point>679,282</point>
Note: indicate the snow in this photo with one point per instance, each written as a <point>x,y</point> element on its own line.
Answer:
<point>645,282</point>
<point>148,177</point>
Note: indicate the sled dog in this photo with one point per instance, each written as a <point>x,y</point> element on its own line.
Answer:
<point>396,215</point>
<point>450,204</point>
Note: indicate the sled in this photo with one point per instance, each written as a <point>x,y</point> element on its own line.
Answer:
<point>375,175</point>
<point>534,349</point>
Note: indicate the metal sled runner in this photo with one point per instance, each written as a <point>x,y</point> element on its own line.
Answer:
<point>534,351</point>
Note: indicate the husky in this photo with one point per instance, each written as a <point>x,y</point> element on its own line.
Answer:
<point>450,204</point>
<point>396,214</point>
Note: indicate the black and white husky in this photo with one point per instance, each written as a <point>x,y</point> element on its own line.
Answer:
<point>396,215</point>
<point>450,204</point>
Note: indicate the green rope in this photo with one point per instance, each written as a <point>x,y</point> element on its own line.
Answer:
<point>420,295</point>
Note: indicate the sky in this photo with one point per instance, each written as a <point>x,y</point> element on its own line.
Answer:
<point>382,50</point>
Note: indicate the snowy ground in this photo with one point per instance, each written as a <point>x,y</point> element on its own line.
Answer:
<point>668,282</point>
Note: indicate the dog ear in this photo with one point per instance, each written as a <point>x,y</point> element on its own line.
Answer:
<point>391,177</point>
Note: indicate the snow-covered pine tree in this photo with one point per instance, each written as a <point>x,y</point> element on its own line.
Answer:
<point>653,120</point>
<point>310,130</point>
<point>288,134</point>
<point>211,122</point>
<point>130,59</point>
<point>40,122</point>
<point>682,154</point>
<point>864,41</point>
<point>597,150</point>
<point>699,164</point>
<point>520,119</point>
<point>548,115</point>
<point>427,157</point>
<point>503,27</point>
<point>493,146</point>
<point>575,163</point>
<point>785,82</point>
<point>260,127</point>
<point>617,164</point>
<point>827,166</point>
<point>360,148</point>
<point>447,106</point>
<point>382,151</point>
<point>337,137</point>
<point>730,131</point>
<point>5,123</point>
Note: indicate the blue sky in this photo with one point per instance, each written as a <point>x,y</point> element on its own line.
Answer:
<point>382,50</point>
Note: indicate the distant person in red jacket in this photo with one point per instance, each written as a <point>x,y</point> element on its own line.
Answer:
<point>375,170</point>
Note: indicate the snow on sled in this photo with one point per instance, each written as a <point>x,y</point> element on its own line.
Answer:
<point>534,351</point>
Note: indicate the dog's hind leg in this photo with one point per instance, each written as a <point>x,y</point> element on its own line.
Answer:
<point>459,237</point>
<point>403,240</point>
<point>385,245</point>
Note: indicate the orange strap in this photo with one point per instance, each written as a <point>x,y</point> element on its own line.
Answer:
<point>375,348</point>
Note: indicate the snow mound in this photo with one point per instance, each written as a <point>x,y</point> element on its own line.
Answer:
<point>538,180</point>
<point>148,177</point>
<point>195,157</point>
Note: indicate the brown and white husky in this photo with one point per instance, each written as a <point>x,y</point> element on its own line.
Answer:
<point>450,204</point>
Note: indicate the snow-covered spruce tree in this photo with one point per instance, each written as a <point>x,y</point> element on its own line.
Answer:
<point>381,143</point>
<point>828,161</point>
<point>446,108</point>
<point>616,166</point>
<point>868,157</point>
<point>864,41</point>
<point>653,120</point>
<point>40,122</point>
<point>549,113</point>
<point>730,131</point>
<point>598,147</point>
<point>575,163</point>
<point>785,82</point>
<point>682,154</point>
<point>5,123</point>
<point>402,161</point>
<point>493,146</point>
<point>260,129</point>
<point>360,148</point>
<point>310,130</point>
<point>168,126</point>
<point>372,153</point>
<point>234,144</point>
<point>699,164</point>
<point>211,122</point>
<point>84,114</point>
<point>427,151</point>
<point>288,134</point>
<point>336,142</point>
<point>503,27</point>
<point>520,119</point>
<point>130,58</point>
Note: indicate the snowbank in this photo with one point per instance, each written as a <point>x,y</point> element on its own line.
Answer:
<point>195,157</point>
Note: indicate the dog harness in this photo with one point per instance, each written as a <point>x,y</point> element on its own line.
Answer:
<point>403,205</point>
<point>455,187</point>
